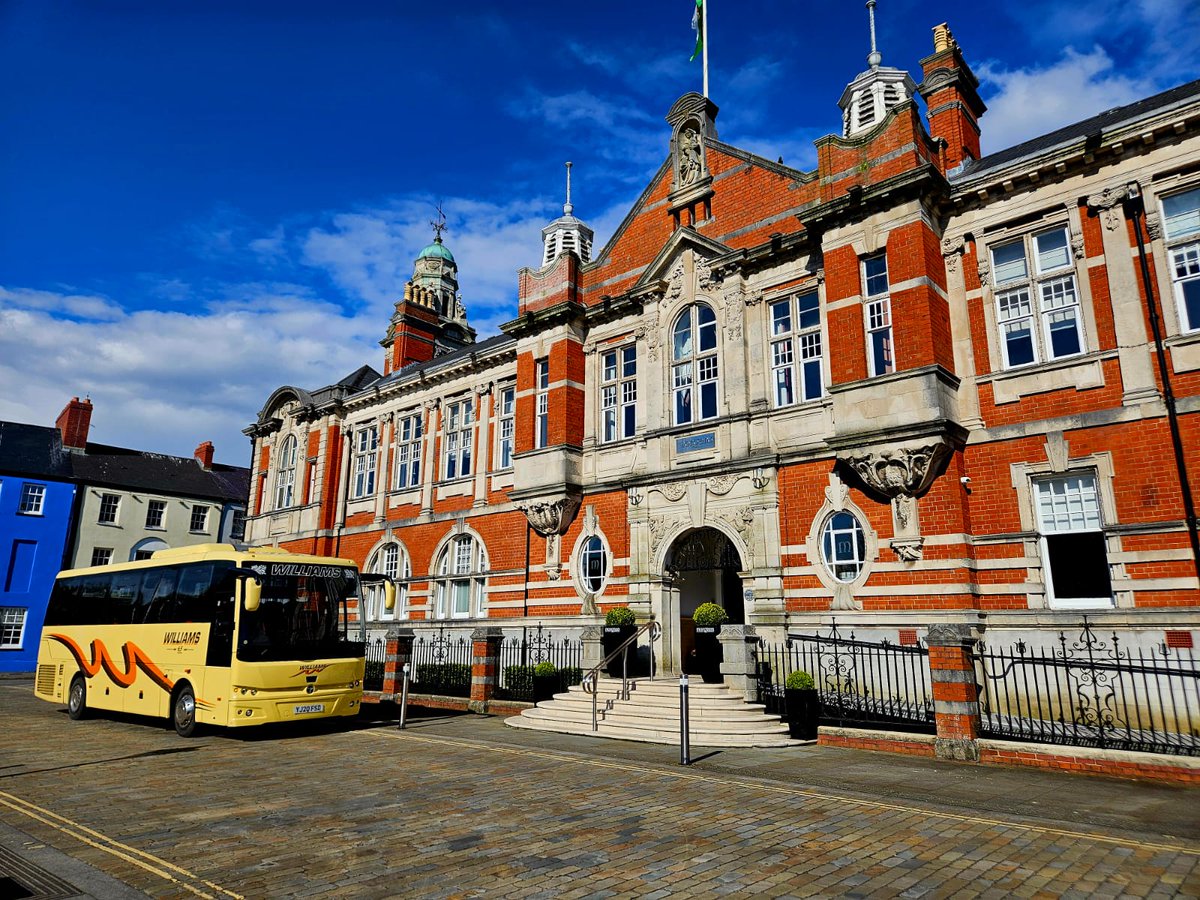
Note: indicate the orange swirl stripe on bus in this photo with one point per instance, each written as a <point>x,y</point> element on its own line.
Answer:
<point>135,658</point>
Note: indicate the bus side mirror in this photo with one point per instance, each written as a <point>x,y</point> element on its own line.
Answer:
<point>389,595</point>
<point>251,593</point>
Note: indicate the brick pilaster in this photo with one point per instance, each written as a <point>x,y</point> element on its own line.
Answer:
<point>955,694</point>
<point>399,652</point>
<point>485,667</point>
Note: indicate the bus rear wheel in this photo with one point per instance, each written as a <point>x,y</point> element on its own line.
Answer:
<point>183,712</point>
<point>77,698</point>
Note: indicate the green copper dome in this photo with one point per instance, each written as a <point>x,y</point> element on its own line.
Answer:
<point>436,249</point>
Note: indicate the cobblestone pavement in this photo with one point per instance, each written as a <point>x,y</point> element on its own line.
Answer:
<point>463,807</point>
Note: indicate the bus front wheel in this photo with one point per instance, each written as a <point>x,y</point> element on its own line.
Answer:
<point>183,711</point>
<point>77,698</point>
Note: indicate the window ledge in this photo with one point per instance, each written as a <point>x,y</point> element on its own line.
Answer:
<point>1185,351</point>
<point>35,515</point>
<point>1079,372</point>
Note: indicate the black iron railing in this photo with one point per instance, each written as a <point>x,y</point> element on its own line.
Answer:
<point>520,654</point>
<point>376,653</point>
<point>860,683</point>
<point>441,664</point>
<point>1089,691</point>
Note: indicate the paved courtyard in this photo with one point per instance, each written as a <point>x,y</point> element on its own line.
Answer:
<point>459,806</point>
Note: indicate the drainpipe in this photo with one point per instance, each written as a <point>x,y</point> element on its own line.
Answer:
<point>1136,207</point>
<point>525,602</point>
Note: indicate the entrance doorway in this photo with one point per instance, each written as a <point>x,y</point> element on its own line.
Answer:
<point>706,566</point>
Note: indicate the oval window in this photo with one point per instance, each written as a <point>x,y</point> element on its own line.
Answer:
<point>593,565</point>
<point>844,547</point>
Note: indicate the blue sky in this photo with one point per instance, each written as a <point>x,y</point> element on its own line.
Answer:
<point>200,201</point>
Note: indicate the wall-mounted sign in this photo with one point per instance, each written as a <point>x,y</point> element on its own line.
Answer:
<point>694,442</point>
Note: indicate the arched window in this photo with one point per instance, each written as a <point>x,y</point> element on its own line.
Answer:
<point>694,369</point>
<point>285,478</point>
<point>460,578</point>
<point>392,561</point>
<point>593,565</point>
<point>843,547</point>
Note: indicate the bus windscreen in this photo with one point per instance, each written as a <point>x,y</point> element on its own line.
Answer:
<point>300,616</point>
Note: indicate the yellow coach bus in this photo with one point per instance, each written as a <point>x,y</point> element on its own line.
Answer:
<point>207,634</point>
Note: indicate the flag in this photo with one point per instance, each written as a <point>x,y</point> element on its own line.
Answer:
<point>698,27</point>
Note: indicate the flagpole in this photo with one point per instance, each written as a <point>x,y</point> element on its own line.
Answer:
<point>704,32</point>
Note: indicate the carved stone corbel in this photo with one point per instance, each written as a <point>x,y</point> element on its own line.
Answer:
<point>1108,202</point>
<point>952,251</point>
<point>1153,225</point>
<point>549,517</point>
<point>902,470</point>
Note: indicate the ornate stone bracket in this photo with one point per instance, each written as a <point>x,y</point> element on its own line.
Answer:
<point>1108,202</point>
<point>908,549</point>
<point>952,250</point>
<point>551,517</point>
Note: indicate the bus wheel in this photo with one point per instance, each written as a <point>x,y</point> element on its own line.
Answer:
<point>183,711</point>
<point>77,698</point>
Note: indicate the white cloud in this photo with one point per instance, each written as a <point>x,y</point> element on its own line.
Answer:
<point>1025,103</point>
<point>75,306</point>
<point>165,381</point>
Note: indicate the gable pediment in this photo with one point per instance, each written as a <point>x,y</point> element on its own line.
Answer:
<point>682,240</point>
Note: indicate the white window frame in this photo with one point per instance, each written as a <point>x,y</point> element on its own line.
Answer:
<point>12,627</point>
<point>390,560</point>
<point>285,478</point>
<point>877,313</point>
<point>461,565</point>
<point>1037,296</point>
<point>458,437</point>
<point>506,426</point>
<point>104,555</point>
<point>33,499</point>
<point>410,441</point>
<point>158,523</point>
<point>366,460</point>
<point>1181,234</point>
<point>237,525</point>
<point>797,345</point>
<point>591,545</point>
<point>1071,511</point>
<point>110,509</point>
<point>541,422</point>
<point>200,511</point>
<point>618,393</point>
<point>852,538</point>
<point>695,369</point>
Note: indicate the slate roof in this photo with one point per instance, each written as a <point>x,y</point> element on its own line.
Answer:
<point>1096,125</point>
<point>494,342</point>
<point>36,451</point>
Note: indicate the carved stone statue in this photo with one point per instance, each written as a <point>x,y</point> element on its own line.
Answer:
<point>691,162</point>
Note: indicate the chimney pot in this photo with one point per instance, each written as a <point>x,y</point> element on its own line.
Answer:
<point>204,455</point>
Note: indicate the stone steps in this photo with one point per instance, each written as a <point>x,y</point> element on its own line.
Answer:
<point>718,716</point>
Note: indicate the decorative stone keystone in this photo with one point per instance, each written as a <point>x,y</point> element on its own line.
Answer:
<point>955,693</point>
<point>485,667</point>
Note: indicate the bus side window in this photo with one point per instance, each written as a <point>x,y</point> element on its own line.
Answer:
<point>164,598</point>
<point>95,600</point>
<point>126,586</point>
<point>220,605</point>
<point>192,603</point>
<point>64,608</point>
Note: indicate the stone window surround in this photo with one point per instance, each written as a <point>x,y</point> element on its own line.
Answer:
<point>479,578</point>
<point>282,467</point>
<point>837,499</point>
<point>1022,386</point>
<point>591,529</point>
<point>771,297</point>
<point>403,576</point>
<point>1024,474</point>
<point>1157,250</point>
<point>671,318</point>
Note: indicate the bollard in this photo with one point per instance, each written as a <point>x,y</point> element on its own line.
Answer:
<point>685,750</point>
<point>404,698</point>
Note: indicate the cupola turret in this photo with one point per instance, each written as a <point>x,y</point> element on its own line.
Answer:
<point>869,97</point>
<point>566,234</point>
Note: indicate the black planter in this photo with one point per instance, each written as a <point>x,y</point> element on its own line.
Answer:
<point>803,713</point>
<point>612,637</point>
<point>708,653</point>
<point>545,687</point>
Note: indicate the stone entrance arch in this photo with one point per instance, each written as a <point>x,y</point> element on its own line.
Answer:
<point>701,565</point>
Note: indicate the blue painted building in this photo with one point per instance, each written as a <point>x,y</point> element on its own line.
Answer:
<point>37,509</point>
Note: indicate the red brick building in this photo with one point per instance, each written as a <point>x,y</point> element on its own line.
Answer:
<point>916,385</point>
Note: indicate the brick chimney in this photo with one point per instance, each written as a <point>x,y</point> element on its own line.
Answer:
<point>74,422</point>
<point>951,93</point>
<point>204,455</point>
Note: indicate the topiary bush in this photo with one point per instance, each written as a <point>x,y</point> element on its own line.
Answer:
<point>544,668</point>
<point>620,615</point>
<point>799,680</point>
<point>710,614</point>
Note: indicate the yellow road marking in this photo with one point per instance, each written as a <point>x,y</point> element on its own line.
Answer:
<point>780,789</point>
<point>93,838</point>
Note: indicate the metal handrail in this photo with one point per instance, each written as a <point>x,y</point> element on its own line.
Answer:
<point>589,680</point>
